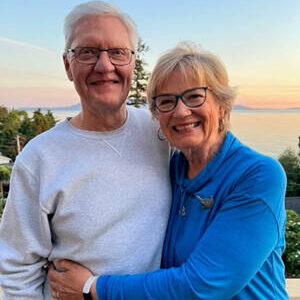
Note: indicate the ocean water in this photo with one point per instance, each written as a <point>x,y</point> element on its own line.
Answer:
<point>266,131</point>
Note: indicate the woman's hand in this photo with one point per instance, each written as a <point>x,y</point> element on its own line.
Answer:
<point>68,283</point>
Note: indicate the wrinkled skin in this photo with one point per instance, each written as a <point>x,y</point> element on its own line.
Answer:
<point>69,282</point>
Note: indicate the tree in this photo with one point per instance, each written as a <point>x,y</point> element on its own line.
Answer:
<point>17,128</point>
<point>3,114</point>
<point>291,164</point>
<point>8,134</point>
<point>137,94</point>
<point>4,176</point>
<point>291,255</point>
<point>50,119</point>
<point>2,205</point>
<point>41,123</point>
<point>26,130</point>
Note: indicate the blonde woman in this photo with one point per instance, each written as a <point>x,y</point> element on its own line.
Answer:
<point>225,235</point>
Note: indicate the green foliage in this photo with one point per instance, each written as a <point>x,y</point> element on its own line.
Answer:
<point>8,132</point>
<point>3,114</point>
<point>26,129</point>
<point>5,172</point>
<point>50,118</point>
<point>291,164</point>
<point>39,123</point>
<point>289,160</point>
<point>137,94</point>
<point>2,204</point>
<point>291,255</point>
<point>16,127</point>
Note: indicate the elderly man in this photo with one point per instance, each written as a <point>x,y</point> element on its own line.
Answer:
<point>95,188</point>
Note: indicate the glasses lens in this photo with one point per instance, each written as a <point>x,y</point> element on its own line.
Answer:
<point>119,56</point>
<point>86,55</point>
<point>165,103</point>
<point>195,97</point>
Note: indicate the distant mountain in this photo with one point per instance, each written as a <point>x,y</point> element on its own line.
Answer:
<point>293,108</point>
<point>77,107</point>
<point>67,108</point>
<point>241,107</point>
<point>58,108</point>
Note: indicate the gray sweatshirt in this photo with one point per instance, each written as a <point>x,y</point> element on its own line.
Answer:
<point>101,199</point>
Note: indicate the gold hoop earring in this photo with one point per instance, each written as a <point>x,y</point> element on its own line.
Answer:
<point>221,125</point>
<point>160,135</point>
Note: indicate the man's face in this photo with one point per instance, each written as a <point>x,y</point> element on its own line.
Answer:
<point>101,85</point>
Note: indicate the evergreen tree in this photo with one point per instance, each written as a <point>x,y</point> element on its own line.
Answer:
<point>50,119</point>
<point>25,130</point>
<point>137,94</point>
<point>3,114</point>
<point>16,129</point>
<point>41,123</point>
<point>291,164</point>
<point>4,176</point>
<point>8,134</point>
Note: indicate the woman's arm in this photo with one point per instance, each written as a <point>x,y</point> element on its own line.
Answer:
<point>230,253</point>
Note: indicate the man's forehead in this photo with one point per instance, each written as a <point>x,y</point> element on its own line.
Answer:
<point>99,23</point>
<point>93,29</point>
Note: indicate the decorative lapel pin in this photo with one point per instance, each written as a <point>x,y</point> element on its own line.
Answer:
<point>206,203</point>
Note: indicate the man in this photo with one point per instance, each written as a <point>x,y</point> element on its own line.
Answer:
<point>95,188</point>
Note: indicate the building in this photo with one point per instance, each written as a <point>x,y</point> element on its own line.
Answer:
<point>293,203</point>
<point>4,160</point>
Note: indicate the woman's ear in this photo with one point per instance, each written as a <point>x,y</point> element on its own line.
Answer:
<point>221,113</point>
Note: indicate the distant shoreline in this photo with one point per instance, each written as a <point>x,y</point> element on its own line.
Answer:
<point>236,108</point>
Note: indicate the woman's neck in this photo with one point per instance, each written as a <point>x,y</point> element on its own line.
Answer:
<point>198,158</point>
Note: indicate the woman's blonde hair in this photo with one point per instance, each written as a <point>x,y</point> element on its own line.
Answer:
<point>194,65</point>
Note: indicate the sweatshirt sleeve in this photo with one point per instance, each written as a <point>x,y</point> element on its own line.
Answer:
<point>25,240</point>
<point>230,253</point>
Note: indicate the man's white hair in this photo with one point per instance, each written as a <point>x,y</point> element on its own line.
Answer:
<point>97,8</point>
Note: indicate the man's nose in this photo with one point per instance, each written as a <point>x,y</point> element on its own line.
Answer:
<point>103,63</point>
<point>181,110</point>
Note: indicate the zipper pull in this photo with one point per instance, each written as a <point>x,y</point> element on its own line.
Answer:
<point>183,211</point>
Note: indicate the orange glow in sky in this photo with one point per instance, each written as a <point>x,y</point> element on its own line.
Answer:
<point>258,41</point>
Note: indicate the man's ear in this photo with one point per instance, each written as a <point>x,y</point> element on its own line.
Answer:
<point>67,67</point>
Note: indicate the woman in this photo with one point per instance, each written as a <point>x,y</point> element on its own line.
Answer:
<point>225,234</point>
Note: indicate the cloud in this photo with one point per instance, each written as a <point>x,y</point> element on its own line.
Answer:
<point>25,45</point>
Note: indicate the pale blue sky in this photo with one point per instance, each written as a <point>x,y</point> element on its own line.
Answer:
<point>258,41</point>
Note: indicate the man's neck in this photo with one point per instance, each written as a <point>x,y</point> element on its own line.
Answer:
<point>101,120</point>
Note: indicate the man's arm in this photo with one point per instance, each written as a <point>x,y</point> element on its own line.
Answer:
<point>25,239</point>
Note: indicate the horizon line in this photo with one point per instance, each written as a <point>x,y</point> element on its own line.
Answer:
<point>69,107</point>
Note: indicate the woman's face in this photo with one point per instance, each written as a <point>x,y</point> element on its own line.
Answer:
<point>189,128</point>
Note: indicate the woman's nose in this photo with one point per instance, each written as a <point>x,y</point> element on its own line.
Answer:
<point>181,110</point>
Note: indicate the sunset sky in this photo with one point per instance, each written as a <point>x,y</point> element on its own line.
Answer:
<point>258,41</point>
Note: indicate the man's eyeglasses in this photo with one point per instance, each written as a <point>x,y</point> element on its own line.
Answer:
<point>90,55</point>
<point>190,98</point>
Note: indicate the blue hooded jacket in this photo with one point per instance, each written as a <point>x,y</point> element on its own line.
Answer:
<point>225,235</point>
